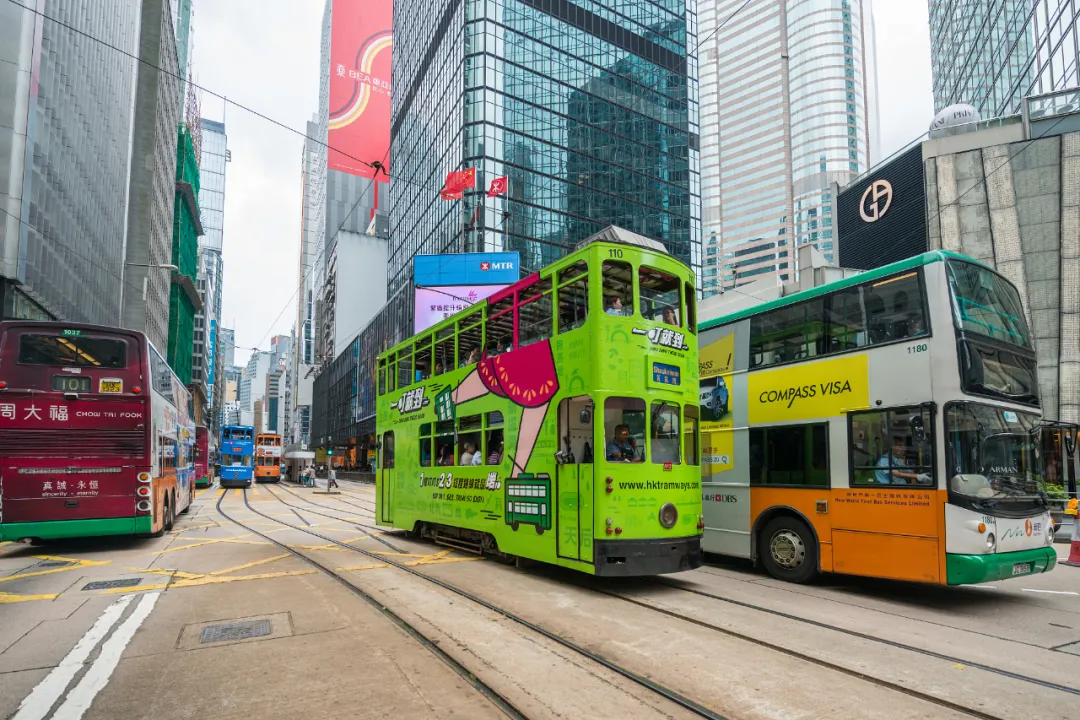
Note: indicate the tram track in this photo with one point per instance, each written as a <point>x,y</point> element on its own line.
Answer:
<point>365,529</point>
<point>491,694</point>
<point>664,692</point>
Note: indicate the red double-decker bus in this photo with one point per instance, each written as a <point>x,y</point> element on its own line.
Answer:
<point>202,457</point>
<point>95,434</point>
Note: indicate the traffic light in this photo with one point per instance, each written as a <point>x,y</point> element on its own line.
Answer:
<point>329,451</point>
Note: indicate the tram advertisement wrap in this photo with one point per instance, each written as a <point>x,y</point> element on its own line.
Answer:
<point>715,365</point>
<point>359,122</point>
<point>807,391</point>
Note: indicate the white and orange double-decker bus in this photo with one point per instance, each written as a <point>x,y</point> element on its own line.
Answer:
<point>267,457</point>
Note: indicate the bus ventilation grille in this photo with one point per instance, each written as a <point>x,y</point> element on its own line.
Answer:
<point>72,443</point>
<point>231,632</point>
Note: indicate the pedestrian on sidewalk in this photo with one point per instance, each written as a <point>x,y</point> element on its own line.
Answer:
<point>331,478</point>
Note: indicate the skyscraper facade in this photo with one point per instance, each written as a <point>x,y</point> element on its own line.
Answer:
<point>214,155</point>
<point>788,107</point>
<point>227,343</point>
<point>589,109</point>
<point>993,54</point>
<point>63,187</point>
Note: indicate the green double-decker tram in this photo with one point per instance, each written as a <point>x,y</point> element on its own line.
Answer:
<point>557,420</point>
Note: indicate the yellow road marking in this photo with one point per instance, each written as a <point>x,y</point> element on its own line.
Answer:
<point>12,598</point>
<point>226,571</point>
<point>78,565</point>
<point>201,491</point>
<point>159,571</point>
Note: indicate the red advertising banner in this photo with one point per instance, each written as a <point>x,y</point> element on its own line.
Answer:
<point>360,46</point>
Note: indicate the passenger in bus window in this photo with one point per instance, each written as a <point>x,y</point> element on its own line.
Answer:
<point>474,357</point>
<point>622,447</point>
<point>616,307</point>
<point>915,326</point>
<point>467,454</point>
<point>446,456</point>
<point>899,474</point>
<point>438,369</point>
<point>670,317</point>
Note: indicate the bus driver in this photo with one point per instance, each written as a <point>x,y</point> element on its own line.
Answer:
<point>899,475</point>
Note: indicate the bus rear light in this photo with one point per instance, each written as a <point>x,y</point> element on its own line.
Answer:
<point>143,506</point>
<point>3,385</point>
<point>143,491</point>
<point>609,480</point>
<point>618,531</point>
<point>609,529</point>
<point>136,389</point>
<point>145,477</point>
<point>609,489</point>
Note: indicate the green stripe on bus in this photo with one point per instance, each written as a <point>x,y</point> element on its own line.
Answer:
<point>59,529</point>
<point>972,569</point>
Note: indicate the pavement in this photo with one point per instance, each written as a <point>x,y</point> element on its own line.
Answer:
<point>215,621</point>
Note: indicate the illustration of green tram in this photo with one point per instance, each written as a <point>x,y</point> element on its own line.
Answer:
<point>543,405</point>
<point>528,501</point>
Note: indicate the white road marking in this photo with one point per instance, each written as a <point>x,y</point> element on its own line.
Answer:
<point>1052,592</point>
<point>36,705</point>
<point>97,677</point>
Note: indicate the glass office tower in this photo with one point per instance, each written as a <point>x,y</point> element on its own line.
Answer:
<point>589,108</point>
<point>994,53</point>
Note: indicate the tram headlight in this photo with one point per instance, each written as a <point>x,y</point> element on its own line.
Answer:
<point>668,515</point>
<point>991,542</point>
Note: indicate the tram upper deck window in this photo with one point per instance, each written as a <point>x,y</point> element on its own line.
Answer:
<point>573,294</point>
<point>618,288</point>
<point>660,301</point>
<point>624,425</point>
<point>470,338</point>
<point>534,313</point>
<point>500,327</point>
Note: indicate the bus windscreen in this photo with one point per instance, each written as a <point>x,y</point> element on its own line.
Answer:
<point>987,304</point>
<point>38,349</point>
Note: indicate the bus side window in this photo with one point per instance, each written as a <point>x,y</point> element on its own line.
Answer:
<point>618,288</point>
<point>847,328</point>
<point>470,338</point>
<point>573,296</point>
<point>535,321</point>
<point>792,456</point>
<point>892,447</point>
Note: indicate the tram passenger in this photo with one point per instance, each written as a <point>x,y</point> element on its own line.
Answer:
<point>468,454</point>
<point>622,447</point>
<point>670,317</point>
<point>446,456</point>
<point>495,457</point>
<point>616,307</point>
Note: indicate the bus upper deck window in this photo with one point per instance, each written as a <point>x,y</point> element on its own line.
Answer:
<point>35,349</point>
<point>573,295</point>
<point>618,288</point>
<point>894,308</point>
<point>660,298</point>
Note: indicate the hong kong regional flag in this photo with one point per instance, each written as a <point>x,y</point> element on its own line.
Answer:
<point>498,187</point>
<point>457,182</point>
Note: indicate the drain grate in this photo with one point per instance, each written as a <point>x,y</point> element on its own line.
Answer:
<point>109,584</point>
<point>230,632</point>
<point>54,563</point>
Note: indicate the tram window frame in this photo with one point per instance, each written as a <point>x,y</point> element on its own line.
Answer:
<point>426,436</point>
<point>691,308</point>
<point>422,359</point>
<point>391,372</point>
<point>388,450</point>
<point>470,429</point>
<point>493,423</point>
<point>612,286</point>
<point>499,329</point>
<point>445,434</point>
<point>623,405</point>
<point>471,335</point>
<point>864,475</point>
<point>648,273</point>
<point>690,431</point>
<point>792,449</point>
<point>573,285</point>
<point>405,365</point>
<point>535,320</point>
<point>661,446</point>
<point>444,350</point>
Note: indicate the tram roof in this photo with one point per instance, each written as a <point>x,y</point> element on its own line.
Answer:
<point>622,236</point>
<point>934,256</point>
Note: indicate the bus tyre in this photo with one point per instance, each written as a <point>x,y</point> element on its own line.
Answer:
<point>789,550</point>
<point>170,512</point>
<point>191,499</point>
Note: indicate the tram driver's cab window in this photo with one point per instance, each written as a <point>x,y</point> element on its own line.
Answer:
<point>624,430</point>
<point>660,300</point>
<point>664,433</point>
<point>618,288</point>
<point>892,447</point>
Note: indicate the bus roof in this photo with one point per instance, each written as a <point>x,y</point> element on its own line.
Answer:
<point>934,256</point>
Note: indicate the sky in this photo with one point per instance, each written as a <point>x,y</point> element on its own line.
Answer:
<point>264,54</point>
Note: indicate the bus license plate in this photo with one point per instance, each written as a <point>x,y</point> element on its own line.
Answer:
<point>1021,568</point>
<point>111,386</point>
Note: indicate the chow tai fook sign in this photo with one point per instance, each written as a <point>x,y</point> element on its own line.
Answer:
<point>448,284</point>
<point>359,122</point>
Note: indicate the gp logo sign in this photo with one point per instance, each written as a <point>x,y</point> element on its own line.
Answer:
<point>876,200</point>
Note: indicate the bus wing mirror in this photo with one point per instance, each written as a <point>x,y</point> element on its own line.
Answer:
<point>585,417</point>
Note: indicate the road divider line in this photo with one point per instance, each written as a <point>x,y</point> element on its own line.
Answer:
<point>1051,592</point>
<point>37,704</point>
<point>97,677</point>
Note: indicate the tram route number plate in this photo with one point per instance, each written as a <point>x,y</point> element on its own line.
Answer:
<point>1021,568</point>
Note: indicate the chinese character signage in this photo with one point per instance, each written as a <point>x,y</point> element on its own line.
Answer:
<point>435,304</point>
<point>664,374</point>
<point>359,123</point>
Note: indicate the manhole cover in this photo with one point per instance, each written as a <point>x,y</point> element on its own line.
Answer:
<point>1071,648</point>
<point>230,632</point>
<point>108,584</point>
<point>54,563</point>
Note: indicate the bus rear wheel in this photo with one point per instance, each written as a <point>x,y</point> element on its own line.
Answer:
<point>170,512</point>
<point>789,550</point>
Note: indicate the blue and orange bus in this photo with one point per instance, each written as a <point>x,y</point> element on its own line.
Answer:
<point>237,450</point>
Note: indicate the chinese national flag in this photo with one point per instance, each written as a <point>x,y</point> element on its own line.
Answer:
<point>498,187</point>
<point>456,183</point>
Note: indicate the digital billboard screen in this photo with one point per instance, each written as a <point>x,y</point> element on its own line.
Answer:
<point>435,304</point>
<point>448,284</point>
<point>359,124</point>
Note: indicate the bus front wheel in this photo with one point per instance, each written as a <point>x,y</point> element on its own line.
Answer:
<point>789,550</point>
